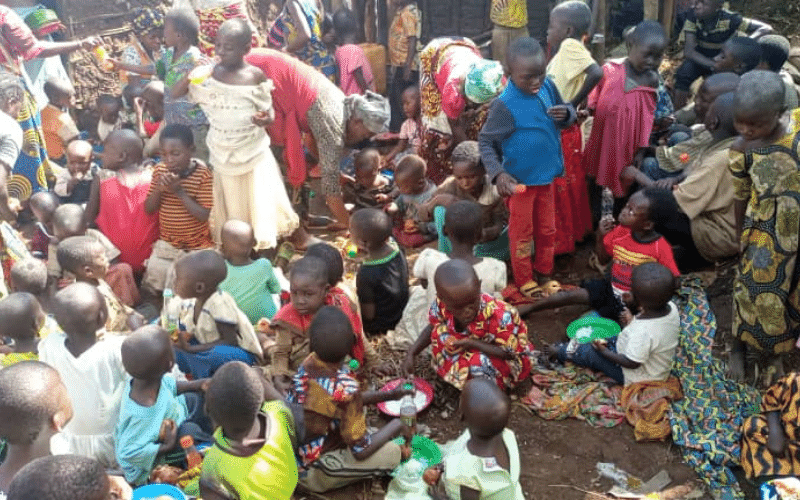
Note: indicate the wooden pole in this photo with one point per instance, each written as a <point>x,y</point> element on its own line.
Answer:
<point>668,16</point>
<point>651,9</point>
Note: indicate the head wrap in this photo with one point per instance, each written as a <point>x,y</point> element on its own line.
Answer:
<point>146,19</point>
<point>371,108</point>
<point>484,81</point>
<point>43,22</point>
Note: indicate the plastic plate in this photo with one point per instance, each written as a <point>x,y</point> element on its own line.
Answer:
<point>590,328</point>
<point>422,397</point>
<point>424,450</point>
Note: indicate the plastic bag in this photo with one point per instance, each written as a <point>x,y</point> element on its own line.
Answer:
<point>407,483</point>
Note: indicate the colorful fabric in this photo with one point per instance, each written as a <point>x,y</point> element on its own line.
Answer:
<point>43,22</point>
<point>497,323</point>
<point>219,308</point>
<point>484,81</point>
<point>509,13</point>
<point>210,21</point>
<point>314,52</point>
<point>757,460</point>
<point>146,20</point>
<point>407,23</point>
<point>627,253</point>
<point>647,407</point>
<point>531,232</point>
<point>136,55</point>
<point>765,292</point>
<point>351,57</point>
<point>118,313</point>
<point>181,109</point>
<point>31,170</point>
<point>176,225</point>
<point>13,358</point>
<point>17,38</point>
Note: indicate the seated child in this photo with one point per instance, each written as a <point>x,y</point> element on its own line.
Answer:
<point>250,282</point>
<point>338,449</point>
<point>180,195</point>
<point>472,334</point>
<point>156,410</point>
<point>739,55</point>
<point>470,182</point>
<point>484,461</point>
<point>634,241</point>
<point>355,71</point>
<point>108,109</point>
<point>62,477</point>
<point>30,275</point>
<point>58,127</point>
<point>334,262</point>
<point>774,54</point>
<point>43,205</point>
<point>253,452</point>
<point>410,136</point>
<point>382,279</point>
<point>91,369</point>
<point>150,117</point>
<point>74,183</point>
<point>21,318</point>
<point>219,331</point>
<point>35,406</point>
<point>368,189</point>
<point>412,191</point>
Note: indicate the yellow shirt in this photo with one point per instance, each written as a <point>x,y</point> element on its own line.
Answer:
<point>509,13</point>
<point>12,358</point>
<point>567,68</point>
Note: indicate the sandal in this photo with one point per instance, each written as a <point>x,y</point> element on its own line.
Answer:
<point>550,288</point>
<point>531,289</point>
<point>594,263</point>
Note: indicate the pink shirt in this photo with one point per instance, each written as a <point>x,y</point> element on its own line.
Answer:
<point>350,58</point>
<point>409,131</point>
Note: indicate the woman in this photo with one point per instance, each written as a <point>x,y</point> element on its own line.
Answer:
<point>298,30</point>
<point>307,102</point>
<point>139,57</point>
<point>455,83</point>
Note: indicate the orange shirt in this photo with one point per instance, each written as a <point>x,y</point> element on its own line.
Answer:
<point>177,226</point>
<point>58,128</point>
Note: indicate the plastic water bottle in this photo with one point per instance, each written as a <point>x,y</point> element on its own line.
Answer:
<point>607,205</point>
<point>193,457</point>
<point>169,320</point>
<point>408,410</point>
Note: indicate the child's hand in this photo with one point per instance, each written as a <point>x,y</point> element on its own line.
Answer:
<point>506,185</point>
<point>263,118</point>
<point>666,183</point>
<point>605,226</point>
<point>382,370</point>
<point>559,113</point>
<point>383,198</point>
<point>168,434</point>
<point>600,345</point>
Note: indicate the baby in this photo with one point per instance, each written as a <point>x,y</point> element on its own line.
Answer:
<point>74,183</point>
<point>369,187</point>
<point>412,191</point>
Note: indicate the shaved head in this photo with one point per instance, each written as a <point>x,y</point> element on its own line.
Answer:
<point>80,309</point>
<point>486,408</point>
<point>456,273</point>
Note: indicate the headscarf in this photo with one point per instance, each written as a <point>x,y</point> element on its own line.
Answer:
<point>484,81</point>
<point>371,108</point>
<point>146,19</point>
<point>43,22</point>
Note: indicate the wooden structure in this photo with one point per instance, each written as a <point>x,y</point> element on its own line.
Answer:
<point>92,17</point>
<point>470,18</point>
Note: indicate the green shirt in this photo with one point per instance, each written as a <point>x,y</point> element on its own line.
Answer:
<point>252,286</point>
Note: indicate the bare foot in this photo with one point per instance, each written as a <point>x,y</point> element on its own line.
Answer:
<point>736,365</point>
<point>551,351</point>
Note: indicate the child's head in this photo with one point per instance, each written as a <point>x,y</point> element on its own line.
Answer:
<point>153,97</point>
<point>706,9</point>
<point>646,44</point>
<point>233,42</point>
<point>84,257</point>
<point>29,275</point>
<point>59,92</point>
<point>719,118</point>
<point>43,205</point>
<point>122,148</point>
<point>61,477</point>
<point>468,170</point>
<point>238,239</point>
<point>652,286</point>
<point>108,107</point>
<point>570,19</point>
<point>308,284</point>
<point>367,164</point>
<point>711,88</point>
<point>147,353</point>
<point>79,157</point>
<point>410,99</point>
<point>459,289</point>
<point>759,104</point>
<point>181,28</point>
<point>345,26</point>
<point>409,175</point>
<point>774,52</point>
<point>68,221</point>
<point>131,91</point>
<point>177,147</point>
<point>463,222</point>
<point>331,335</point>
<point>234,398</point>
<point>485,408</point>
<point>80,310</point>
<point>526,64</point>
<point>148,25</point>
<point>21,317</point>
<point>198,274</point>
<point>739,55</point>
<point>370,228</point>
<point>11,94</point>
<point>333,260</point>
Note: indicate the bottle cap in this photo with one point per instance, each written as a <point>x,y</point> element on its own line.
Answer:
<point>408,386</point>
<point>187,441</point>
<point>353,364</point>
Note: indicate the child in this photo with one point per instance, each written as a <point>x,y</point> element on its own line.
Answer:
<point>574,73</point>
<point>471,333</point>
<point>739,55</point>
<point>138,64</point>
<point>521,127</point>
<point>180,193</point>
<point>333,407</point>
<point>74,183</point>
<point>116,203</point>
<point>58,127</point>
<point>484,461</point>
<point>35,406</point>
<point>382,279</point>
<point>219,330</point>
<point>43,205</point>
<point>91,369</point>
<point>62,477</point>
<point>405,33</point>
<point>355,71</point>
<point>21,319</point>
<point>369,187</point>
<point>469,182</point>
<point>150,117</point>
<point>253,448</point>
<point>412,191</point>
<point>156,410</point>
<point>774,54</point>
<point>707,27</point>
<point>250,282</point>
<point>334,262</point>
<point>30,275</point>
<point>410,137</point>
<point>236,97</point>
<point>109,108</point>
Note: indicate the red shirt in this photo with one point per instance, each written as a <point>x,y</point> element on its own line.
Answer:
<point>627,253</point>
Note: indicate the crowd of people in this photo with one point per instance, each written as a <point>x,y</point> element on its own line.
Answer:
<point>156,302</point>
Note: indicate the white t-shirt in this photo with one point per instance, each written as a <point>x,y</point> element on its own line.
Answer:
<point>651,342</point>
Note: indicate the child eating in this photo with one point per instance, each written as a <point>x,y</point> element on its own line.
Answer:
<point>368,188</point>
<point>21,319</point>
<point>74,184</point>
<point>471,333</point>
<point>58,127</point>
<point>412,192</point>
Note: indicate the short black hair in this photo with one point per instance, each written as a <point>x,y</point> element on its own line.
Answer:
<point>312,267</point>
<point>18,315</point>
<point>238,28</point>
<point>108,100</point>
<point>361,160</point>
<point>774,51</point>
<point>746,50</point>
<point>178,131</point>
<point>577,14</point>
<point>410,165</point>
<point>332,258</point>
<point>344,22</point>
<point>652,284</point>
<point>77,307</point>
<point>645,31</point>
<point>375,225</point>
<point>524,47</point>
<point>467,152</point>
<point>69,219</point>
<point>29,275</point>
<point>27,401</point>
<point>463,221</point>
<point>234,397</point>
<point>143,351</point>
<point>207,266</point>
<point>662,207</point>
<point>185,22</point>
<point>55,88</point>
<point>60,477</point>
<point>331,334</point>
<point>44,200</point>
<point>456,273</point>
<point>130,143</point>
<point>760,90</point>
<point>76,251</point>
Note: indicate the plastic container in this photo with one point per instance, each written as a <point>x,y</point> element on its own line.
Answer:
<point>169,317</point>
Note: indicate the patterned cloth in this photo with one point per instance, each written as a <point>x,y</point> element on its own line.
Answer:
<point>314,52</point>
<point>180,109</point>
<point>647,406</point>
<point>13,358</point>
<point>407,23</point>
<point>212,19</point>
<point>30,173</point>
<point>136,55</point>
<point>509,13</point>
<point>146,19</point>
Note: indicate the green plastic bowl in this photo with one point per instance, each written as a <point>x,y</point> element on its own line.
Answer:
<point>589,328</point>
<point>424,450</point>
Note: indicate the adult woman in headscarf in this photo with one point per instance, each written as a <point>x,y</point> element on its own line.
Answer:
<point>307,102</point>
<point>298,30</point>
<point>456,83</point>
<point>139,57</point>
<point>17,43</point>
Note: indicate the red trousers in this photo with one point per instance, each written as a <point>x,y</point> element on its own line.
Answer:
<point>532,226</point>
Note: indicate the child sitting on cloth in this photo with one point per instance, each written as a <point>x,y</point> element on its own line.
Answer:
<point>412,192</point>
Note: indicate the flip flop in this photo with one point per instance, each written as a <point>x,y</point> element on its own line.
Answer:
<point>550,288</point>
<point>530,289</point>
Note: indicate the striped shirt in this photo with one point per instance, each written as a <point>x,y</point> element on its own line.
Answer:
<point>713,33</point>
<point>178,227</point>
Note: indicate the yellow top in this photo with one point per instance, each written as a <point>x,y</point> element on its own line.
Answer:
<point>567,68</point>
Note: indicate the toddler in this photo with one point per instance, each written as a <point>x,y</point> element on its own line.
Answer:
<point>43,205</point>
<point>150,117</point>
<point>369,188</point>
<point>91,369</point>
<point>21,319</point>
<point>774,54</point>
<point>382,279</point>
<point>180,194</point>
<point>109,108</point>
<point>739,55</point>
<point>58,127</point>
<point>253,452</point>
<point>471,333</point>
<point>412,191</point>
<point>74,183</point>
<point>218,330</point>
<point>35,406</point>
<point>156,410</point>
<point>410,137</point>
<point>355,71</point>
<point>405,32</point>
<point>63,477</point>
<point>334,262</point>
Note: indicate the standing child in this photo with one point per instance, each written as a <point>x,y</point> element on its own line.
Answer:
<point>21,319</point>
<point>369,188</point>
<point>180,193</point>
<point>521,132</point>
<point>108,109</point>
<point>355,71</point>
<point>410,137</point>
<point>404,36</point>
<point>74,183</point>
<point>58,127</point>
<point>509,22</point>
<point>412,191</point>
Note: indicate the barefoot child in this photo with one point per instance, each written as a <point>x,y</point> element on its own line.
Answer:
<point>21,319</point>
<point>369,188</point>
